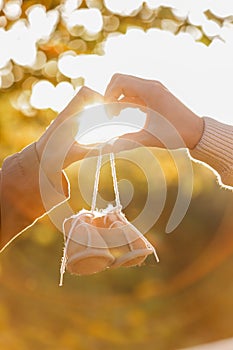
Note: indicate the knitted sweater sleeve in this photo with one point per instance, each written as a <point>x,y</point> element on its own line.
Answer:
<point>21,203</point>
<point>215,149</point>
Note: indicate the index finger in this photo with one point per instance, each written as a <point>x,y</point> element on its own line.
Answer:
<point>122,84</point>
<point>84,97</point>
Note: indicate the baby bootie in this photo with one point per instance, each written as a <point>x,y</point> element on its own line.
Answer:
<point>100,239</point>
<point>125,242</point>
<point>85,251</point>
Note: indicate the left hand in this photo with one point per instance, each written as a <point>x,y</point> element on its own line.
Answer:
<point>62,131</point>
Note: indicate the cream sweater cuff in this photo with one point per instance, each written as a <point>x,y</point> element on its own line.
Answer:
<point>215,148</point>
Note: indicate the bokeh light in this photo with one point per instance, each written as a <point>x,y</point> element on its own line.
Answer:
<point>12,9</point>
<point>90,19</point>
<point>42,94</point>
<point>123,7</point>
<point>41,23</point>
<point>46,95</point>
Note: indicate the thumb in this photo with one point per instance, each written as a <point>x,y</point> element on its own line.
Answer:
<point>130,141</point>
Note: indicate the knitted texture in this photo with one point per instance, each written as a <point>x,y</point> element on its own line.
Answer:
<point>215,148</point>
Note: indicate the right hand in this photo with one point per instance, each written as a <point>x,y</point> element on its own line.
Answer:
<point>171,113</point>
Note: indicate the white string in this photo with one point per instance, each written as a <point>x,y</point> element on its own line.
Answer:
<point>114,178</point>
<point>64,257</point>
<point>93,206</point>
<point>96,184</point>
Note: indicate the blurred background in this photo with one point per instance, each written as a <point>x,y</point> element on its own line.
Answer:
<point>48,50</point>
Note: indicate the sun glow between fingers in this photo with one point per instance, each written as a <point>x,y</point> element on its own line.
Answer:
<point>96,127</point>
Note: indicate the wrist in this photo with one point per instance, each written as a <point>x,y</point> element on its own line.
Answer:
<point>48,165</point>
<point>195,132</point>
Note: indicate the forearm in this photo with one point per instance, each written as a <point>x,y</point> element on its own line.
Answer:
<point>21,202</point>
<point>215,148</point>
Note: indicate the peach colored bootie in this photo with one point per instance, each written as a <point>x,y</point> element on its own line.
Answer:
<point>99,240</point>
<point>96,240</point>
<point>125,242</point>
<point>86,251</point>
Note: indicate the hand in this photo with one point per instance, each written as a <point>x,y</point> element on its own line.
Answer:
<point>60,135</point>
<point>171,113</point>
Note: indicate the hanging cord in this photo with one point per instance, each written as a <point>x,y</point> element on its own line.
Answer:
<point>64,257</point>
<point>96,183</point>
<point>93,207</point>
<point>114,178</point>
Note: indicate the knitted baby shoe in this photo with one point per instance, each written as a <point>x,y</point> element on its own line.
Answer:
<point>125,242</point>
<point>86,251</point>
